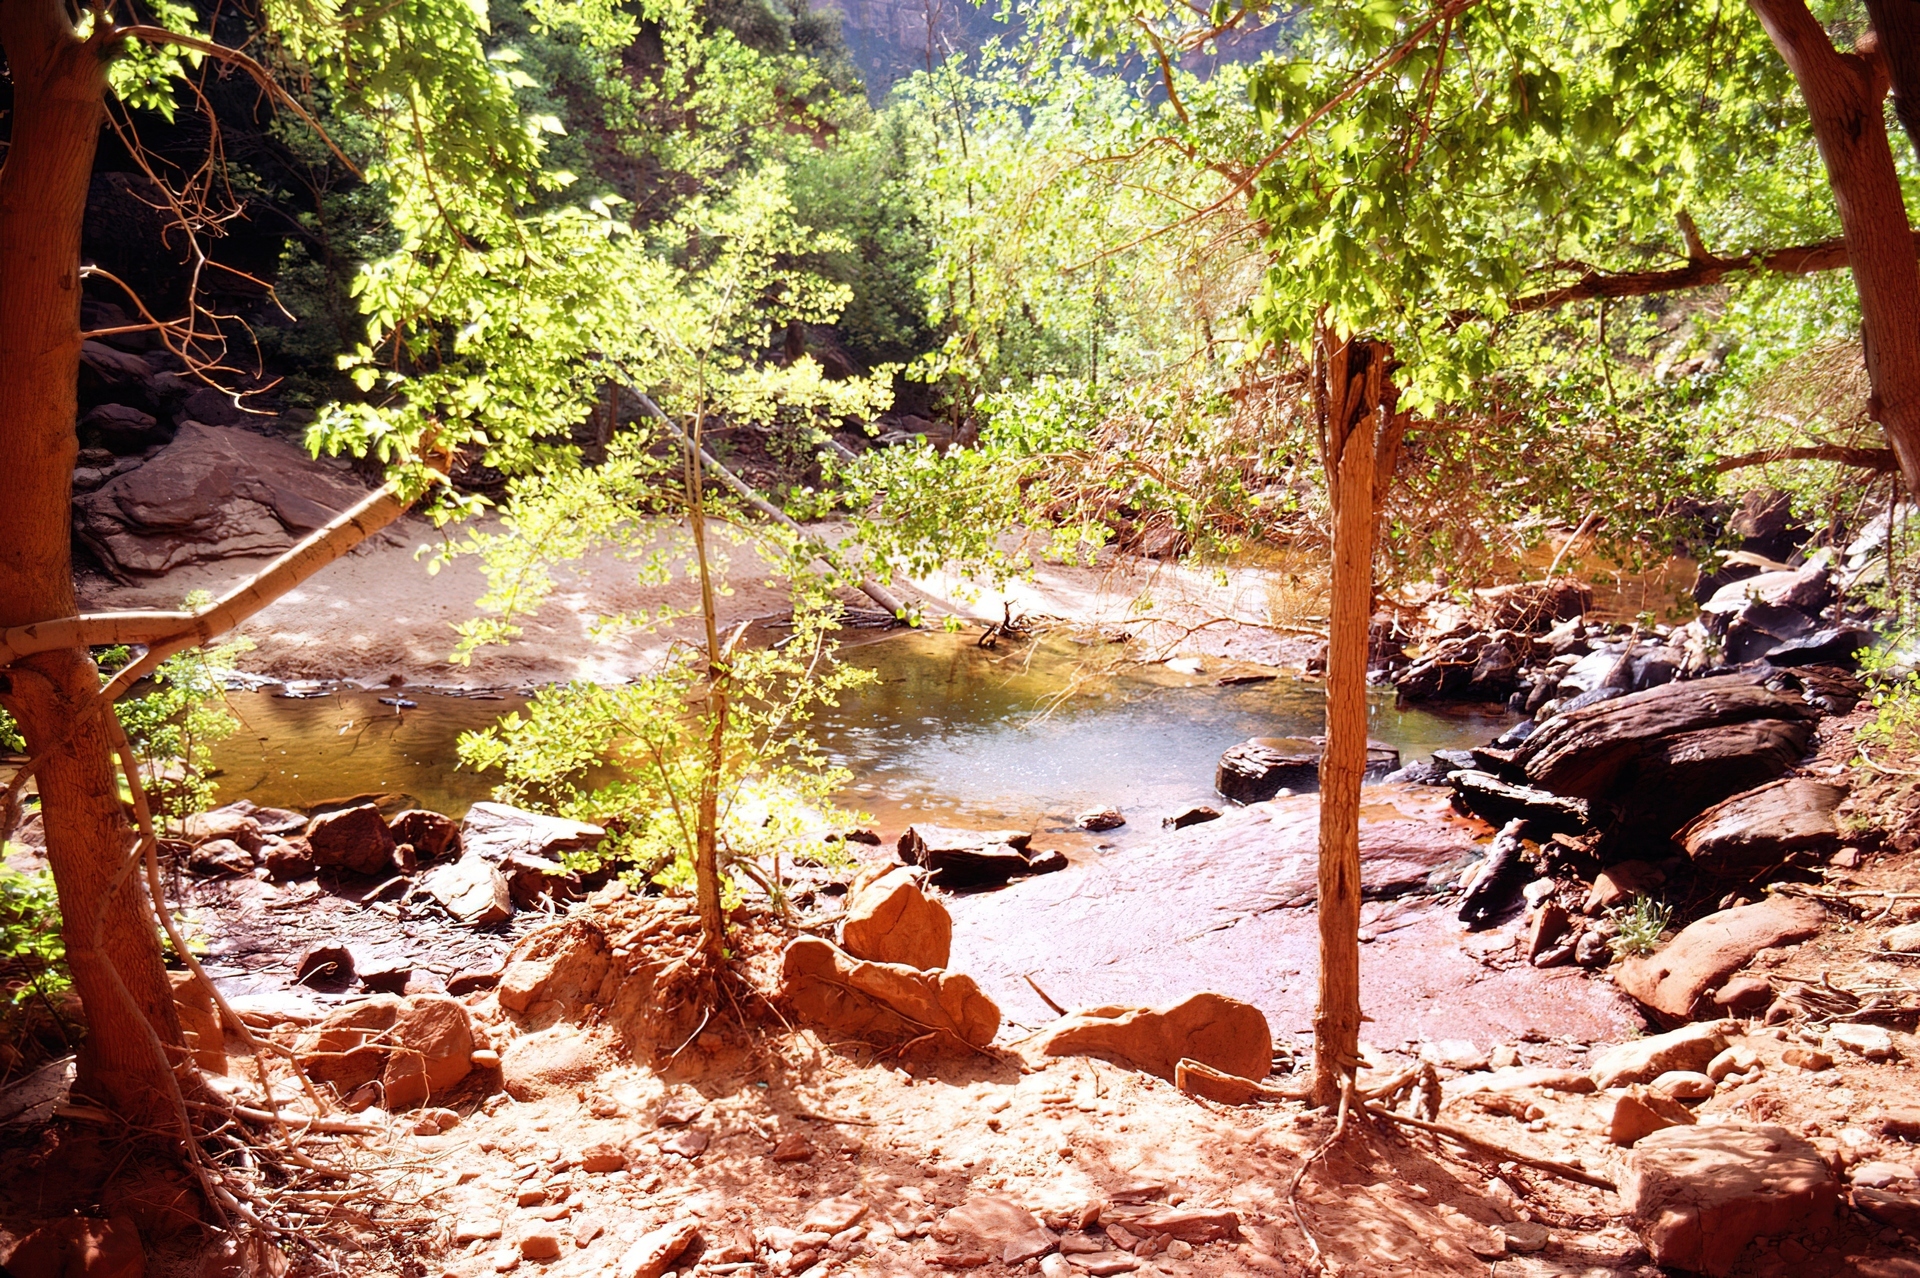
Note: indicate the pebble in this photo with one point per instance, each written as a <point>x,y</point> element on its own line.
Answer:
<point>1807,1059</point>
<point>467,1231</point>
<point>540,1244</point>
<point>484,1058</point>
<point>1524,1235</point>
<point>531,1196</point>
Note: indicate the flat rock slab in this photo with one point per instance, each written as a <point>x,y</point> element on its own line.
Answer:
<point>1226,906</point>
<point>1760,828</point>
<point>1701,1194</point>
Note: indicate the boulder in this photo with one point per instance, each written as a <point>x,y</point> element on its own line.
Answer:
<point>1620,882</point>
<point>349,1048</point>
<point>851,998</point>
<point>354,839</point>
<point>1760,828</point>
<point>471,890</point>
<point>1215,1030</point>
<point>1631,742</point>
<point>1808,589</point>
<point>431,1049</point>
<point>81,1247</point>
<point>890,920</point>
<point>1709,950</point>
<point>569,966</point>
<point>327,964</point>
<point>121,428</point>
<point>1101,819</point>
<point>236,822</point>
<point>210,494</point>
<point>1641,1110</point>
<point>1899,1211</point>
<point>287,859</point>
<point>1700,1194</point>
<point>530,879</point>
<point>1257,769</point>
<point>433,836</point>
<point>492,831</point>
<point>220,856</point>
<point>1642,1060</point>
<point>1198,814</point>
<point>965,858</point>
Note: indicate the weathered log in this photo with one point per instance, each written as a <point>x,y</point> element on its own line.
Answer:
<point>1498,879</point>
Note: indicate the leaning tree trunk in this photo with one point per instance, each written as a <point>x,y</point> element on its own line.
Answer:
<point>59,92</point>
<point>1359,436</point>
<point>1844,93</point>
<point>1896,29</point>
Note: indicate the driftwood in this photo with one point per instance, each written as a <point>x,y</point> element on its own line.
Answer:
<point>1499,877</point>
<point>1487,796</point>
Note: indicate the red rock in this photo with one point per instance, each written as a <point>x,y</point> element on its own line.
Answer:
<point>1760,828</point>
<point>347,1049</point>
<point>1189,1224</point>
<point>1701,1194</point>
<point>492,831</point>
<point>1642,1060</point>
<point>569,965</point>
<point>432,1051</point>
<point>540,1244</point>
<point>556,1060</point>
<point>1550,924</point>
<point>81,1247</point>
<point>1210,1028</point>
<point>200,1021</point>
<point>354,839</point>
<point>1621,882</point>
<point>1806,1058</point>
<point>1901,1211</point>
<point>832,989</point>
<point>472,891</point>
<point>602,1158</point>
<point>1643,1110</point>
<point>288,859</point>
<point>890,920</point>
<point>793,1147</point>
<point>997,1225</point>
<point>1710,950</point>
<point>1744,994</point>
<point>433,836</point>
<point>230,822</point>
<point>831,1215</point>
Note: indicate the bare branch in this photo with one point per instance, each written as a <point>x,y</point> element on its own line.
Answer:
<point>1877,459</point>
<point>1801,259</point>
<point>174,630</point>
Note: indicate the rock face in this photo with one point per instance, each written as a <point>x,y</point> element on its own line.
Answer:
<point>1756,830</point>
<point>1664,755</point>
<point>353,839</point>
<point>890,920</point>
<point>1708,951</point>
<point>1701,1194</point>
<point>1210,1028</point>
<point>494,831</point>
<point>966,858</point>
<point>210,494</point>
<point>830,988</point>
<point>1257,769</point>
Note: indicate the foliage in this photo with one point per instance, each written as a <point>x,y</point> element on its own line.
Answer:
<point>32,956</point>
<point>1642,921</point>
<point>174,727</point>
<point>634,758</point>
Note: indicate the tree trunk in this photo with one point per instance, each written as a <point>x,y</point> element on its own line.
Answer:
<point>1843,93</point>
<point>1896,28</point>
<point>1357,424</point>
<point>706,844</point>
<point>59,88</point>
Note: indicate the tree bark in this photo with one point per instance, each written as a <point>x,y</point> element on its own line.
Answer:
<point>1357,425</point>
<point>1843,93</point>
<point>59,93</point>
<point>1896,27</point>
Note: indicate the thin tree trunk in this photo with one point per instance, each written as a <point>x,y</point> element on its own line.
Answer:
<point>1843,93</point>
<point>1356,424</point>
<point>706,849</point>
<point>59,88</point>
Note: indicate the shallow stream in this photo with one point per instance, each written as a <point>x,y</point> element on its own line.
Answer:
<point>1025,734</point>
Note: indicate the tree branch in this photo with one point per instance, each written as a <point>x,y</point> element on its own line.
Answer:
<point>180,629</point>
<point>1801,259</point>
<point>1878,459</point>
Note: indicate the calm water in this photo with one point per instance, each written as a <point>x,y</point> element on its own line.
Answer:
<point>950,732</point>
